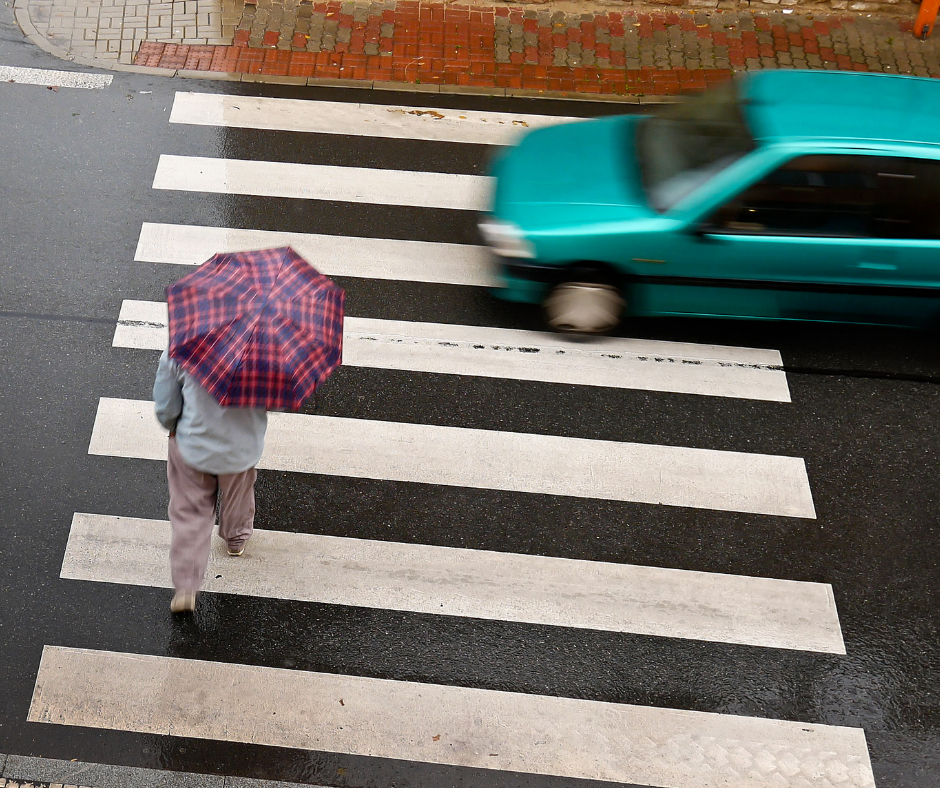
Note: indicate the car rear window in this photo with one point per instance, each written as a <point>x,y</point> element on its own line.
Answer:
<point>683,145</point>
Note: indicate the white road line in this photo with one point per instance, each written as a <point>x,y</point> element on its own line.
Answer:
<point>450,581</point>
<point>323,182</point>
<point>431,723</point>
<point>489,459</point>
<point>333,255</point>
<point>706,370</point>
<point>370,120</point>
<point>54,79</point>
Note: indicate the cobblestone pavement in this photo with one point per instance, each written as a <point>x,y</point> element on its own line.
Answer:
<point>113,30</point>
<point>510,47</point>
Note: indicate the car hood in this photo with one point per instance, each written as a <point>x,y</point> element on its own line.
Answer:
<point>577,172</point>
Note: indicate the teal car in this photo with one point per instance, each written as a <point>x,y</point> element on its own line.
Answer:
<point>781,195</point>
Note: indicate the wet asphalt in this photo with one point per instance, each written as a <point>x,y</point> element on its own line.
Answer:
<point>75,174</point>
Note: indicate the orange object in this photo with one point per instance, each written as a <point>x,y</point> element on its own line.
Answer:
<point>926,17</point>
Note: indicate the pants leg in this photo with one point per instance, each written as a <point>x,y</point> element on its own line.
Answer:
<point>192,514</point>
<point>237,507</point>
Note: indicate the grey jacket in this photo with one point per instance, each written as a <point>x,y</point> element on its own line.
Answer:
<point>211,439</point>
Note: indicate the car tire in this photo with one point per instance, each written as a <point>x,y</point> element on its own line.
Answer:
<point>584,307</point>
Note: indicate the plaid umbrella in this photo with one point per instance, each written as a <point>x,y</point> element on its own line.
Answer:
<point>257,329</point>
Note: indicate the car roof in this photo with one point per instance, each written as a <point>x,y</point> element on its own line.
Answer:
<point>886,110</point>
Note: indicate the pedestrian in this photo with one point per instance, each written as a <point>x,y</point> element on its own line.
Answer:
<point>212,455</point>
<point>249,332</point>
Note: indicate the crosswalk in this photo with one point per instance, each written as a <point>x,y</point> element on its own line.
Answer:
<point>369,120</point>
<point>369,258</point>
<point>679,367</point>
<point>491,730</point>
<point>491,460</point>
<point>322,182</point>
<point>475,583</point>
<point>237,700</point>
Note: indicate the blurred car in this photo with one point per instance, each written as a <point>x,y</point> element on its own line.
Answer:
<point>793,195</point>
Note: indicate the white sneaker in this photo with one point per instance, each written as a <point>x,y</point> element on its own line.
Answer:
<point>183,602</point>
<point>237,551</point>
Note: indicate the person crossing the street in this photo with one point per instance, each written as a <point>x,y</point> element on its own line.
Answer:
<point>212,455</point>
<point>249,332</point>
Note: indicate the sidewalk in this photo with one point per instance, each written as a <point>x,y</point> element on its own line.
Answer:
<point>501,49</point>
<point>20,771</point>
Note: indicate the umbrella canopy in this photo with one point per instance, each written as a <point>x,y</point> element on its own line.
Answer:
<point>257,329</point>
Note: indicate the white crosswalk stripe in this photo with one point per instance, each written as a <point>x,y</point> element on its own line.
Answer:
<point>333,255</point>
<point>371,120</point>
<point>323,182</point>
<point>523,355</point>
<point>479,584</point>
<point>458,726</point>
<point>488,459</point>
<point>52,78</point>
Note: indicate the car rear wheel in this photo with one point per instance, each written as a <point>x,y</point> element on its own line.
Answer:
<point>584,307</point>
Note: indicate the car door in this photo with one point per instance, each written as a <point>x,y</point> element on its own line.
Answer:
<point>791,245</point>
<point>908,220</point>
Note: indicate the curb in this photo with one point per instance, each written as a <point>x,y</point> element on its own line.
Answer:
<point>33,36</point>
<point>18,771</point>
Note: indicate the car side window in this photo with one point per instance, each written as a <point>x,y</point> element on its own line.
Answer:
<point>818,195</point>
<point>910,208</point>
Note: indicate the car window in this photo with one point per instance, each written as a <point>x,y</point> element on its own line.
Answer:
<point>683,145</point>
<point>911,208</point>
<point>848,196</point>
<point>810,195</point>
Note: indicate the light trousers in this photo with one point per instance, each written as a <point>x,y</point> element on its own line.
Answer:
<point>193,498</point>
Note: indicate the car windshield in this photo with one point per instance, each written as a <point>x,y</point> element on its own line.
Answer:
<point>683,145</point>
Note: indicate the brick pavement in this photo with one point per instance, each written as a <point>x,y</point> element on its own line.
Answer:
<point>629,52</point>
<point>595,50</point>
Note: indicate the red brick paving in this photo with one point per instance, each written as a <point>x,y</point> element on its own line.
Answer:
<point>471,45</point>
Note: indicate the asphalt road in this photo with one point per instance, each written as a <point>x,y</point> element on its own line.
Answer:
<point>75,186</point>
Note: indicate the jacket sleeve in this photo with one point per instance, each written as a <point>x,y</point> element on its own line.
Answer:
<point>168,393</point>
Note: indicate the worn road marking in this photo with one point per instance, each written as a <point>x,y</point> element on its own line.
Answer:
<point>708,370</point>
<point>430,723</point>
<point>54,79</point>
<point>447,581</point>
<point>323,182</point>
<point>370,120</point>
<point>490,459</point>
<point>333,255</point>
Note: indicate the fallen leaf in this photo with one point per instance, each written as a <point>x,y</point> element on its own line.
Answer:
<point>421,112</point>
<point>341,702</point>
<point>436,738</point>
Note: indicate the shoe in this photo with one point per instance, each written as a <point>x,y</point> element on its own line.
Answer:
<point>183,602</point>
<point>236,550</point>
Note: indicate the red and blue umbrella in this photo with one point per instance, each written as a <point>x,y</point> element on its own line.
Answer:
<point>257,329</point>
